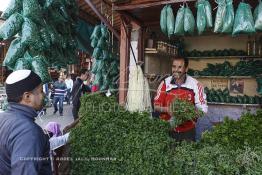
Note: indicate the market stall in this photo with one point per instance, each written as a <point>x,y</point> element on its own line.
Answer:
<point>220,61</point>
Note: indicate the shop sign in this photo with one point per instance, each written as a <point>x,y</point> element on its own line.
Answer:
<point>219,83</point>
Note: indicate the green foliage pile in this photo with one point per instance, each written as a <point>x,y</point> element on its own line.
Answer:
<point>223,96</point>
<point>242,68</point>
<point>124,142</point>
<point>106,66</point>
<point>46,30</point>
<point>183,111</point>
<point>233,147</point>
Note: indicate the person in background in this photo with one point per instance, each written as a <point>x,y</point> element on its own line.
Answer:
<point>69,85</point>
<point>182,86</point>
<point>56,139</point>
<point>94,87</point>
<point>46,92</point>
<point>24,148</point>
<point>78,89</point>
<point>59,95</point>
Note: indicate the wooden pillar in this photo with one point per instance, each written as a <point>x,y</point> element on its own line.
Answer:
<point>141,45</point>
<point>124,60</point>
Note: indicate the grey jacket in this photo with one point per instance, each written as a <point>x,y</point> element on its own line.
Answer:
<point>24,148</point>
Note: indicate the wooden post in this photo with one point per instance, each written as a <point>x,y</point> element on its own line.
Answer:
<point>124,61</point>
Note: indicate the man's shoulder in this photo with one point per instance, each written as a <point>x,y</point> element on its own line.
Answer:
<point>192,80</point>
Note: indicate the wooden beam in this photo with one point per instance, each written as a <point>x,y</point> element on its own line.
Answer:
<point>87,17</point>
<point>153,23</point>
<point>103,19</point>
<point>131,17</point>
<point>124,62</point>
<point>147,4</point>
<point>140,45</point>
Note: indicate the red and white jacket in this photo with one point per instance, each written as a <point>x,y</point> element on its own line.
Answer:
<point>191,90</point>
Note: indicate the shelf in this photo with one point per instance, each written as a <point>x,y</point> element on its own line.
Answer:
<point>225,77</point>
<point>234,104</point>
<point>226,57</point>
<point>157,52</point>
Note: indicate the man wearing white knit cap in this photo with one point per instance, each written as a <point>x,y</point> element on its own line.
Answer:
<point>24,148</point>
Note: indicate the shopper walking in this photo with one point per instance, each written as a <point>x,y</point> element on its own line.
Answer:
<point>69,85</point>
<point>59,95</point>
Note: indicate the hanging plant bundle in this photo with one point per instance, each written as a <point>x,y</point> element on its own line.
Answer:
<point>104,72</point>
<point>46,28</point>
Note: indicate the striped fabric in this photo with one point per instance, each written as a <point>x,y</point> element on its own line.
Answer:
<point>60,89</point>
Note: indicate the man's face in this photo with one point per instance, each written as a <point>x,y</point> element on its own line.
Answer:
<point>178,68</point>
<point>37,98</point>
<point>85,76</point>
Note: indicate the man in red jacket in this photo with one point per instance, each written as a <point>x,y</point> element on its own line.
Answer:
<point>182,86</point>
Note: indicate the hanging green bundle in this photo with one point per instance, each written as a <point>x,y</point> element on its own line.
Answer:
<point>94,42</point>
<point>228,22</point>
<point>102,44</point>
<point>30,33</point>
<point>105,83</point>
<point>208,11</point>
<point>258,17</point>
<point>15,6</point>
<point>244,22</point>
<point>96,33</point>
<point>11,26</point>
<point>16,50</point>
<point>170,21</point>
<point>105,55</point>
<point>163,20</point>
<point>39,66</point>
<point>95,66</point>
<point>179,25</point>
<point>104,32</point>
<point>220,16</point>
<point>201,16</point>
<point>189,21</point>
<point>45,37</point>
<point>22,63</point>
<point>32,10</point>
<point>97,53</point>
<point>98,79</point>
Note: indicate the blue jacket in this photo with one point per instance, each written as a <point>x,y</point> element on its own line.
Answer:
<point>24,148</point>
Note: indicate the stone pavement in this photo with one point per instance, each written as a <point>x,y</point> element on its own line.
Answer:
<point>62,120</point>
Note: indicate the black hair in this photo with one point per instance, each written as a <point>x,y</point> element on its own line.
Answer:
<point>15,99</point>
<point>83,71</point>
<point>19,98</point>
<point>186,61</point>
